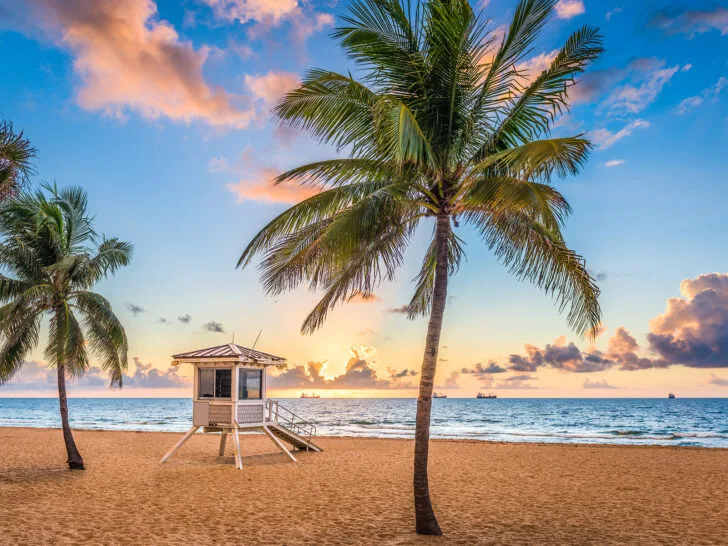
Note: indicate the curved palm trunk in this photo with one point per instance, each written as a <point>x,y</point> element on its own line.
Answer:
<point>75,462</point>
<point>426,522</point>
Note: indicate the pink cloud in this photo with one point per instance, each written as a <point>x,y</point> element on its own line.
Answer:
<point>128,59</point>
<point>247,10</point>
<point>270,88</point>
<point>566,9</point>
<point>267,14</point>
<point>262,188</point>
<point>361,298</point>
<point>531,68</point>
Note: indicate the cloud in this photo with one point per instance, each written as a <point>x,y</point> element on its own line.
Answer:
<point>262,187</point>
<point>642,80</point>
<point>718,381</point>
<point>531,68</point>
<point>570,358</point>
<point>37,376</point>
<point>589,384</point>
<point>134,309</point>
<point>213,326</point>
<point>561,356</point>
<point>147,376</point>
<point>529,363</point>
<point>185,319</point>
<point>244,11</point>
<point>480,370</point>
<point>692,22</point>
<point>366,332</point>
<point>358,374</point>
<point>305,25</point>
<point>219,165</point>
<point>451,381</point>
<point>127,59</point>
<point>364,298</point>
<point>593,84</point>
<point>404,373</point>
<point>709,93</point>
<point>614,12</point>
<point>33,375</point>
<point>271,87</point>
<point>517,382</point>
<point>614,163</point>
<point>692,332</point>
<point>566,9</point>
<point>646,85</point>
<point>605,139</point>
<point>401,310</point>
<point>304,21</point>
<point>162,320</point>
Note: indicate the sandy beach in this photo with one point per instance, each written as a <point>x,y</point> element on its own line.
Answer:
<point>356,492</point>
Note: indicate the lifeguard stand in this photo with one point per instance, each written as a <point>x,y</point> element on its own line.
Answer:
<point>229,395</point>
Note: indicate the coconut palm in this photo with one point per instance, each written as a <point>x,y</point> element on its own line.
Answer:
<point>16,155</point>
<point>51,257</point>
<point>443,127</point>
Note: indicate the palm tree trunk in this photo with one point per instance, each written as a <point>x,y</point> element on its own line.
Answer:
<point>75,462</point>
<point>426,522</point>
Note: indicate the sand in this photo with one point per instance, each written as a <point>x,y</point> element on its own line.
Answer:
<point>356,492</point>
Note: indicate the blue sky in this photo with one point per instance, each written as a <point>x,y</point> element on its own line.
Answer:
<point>160,110</point>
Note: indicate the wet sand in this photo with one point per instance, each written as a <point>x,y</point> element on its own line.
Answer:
<point>358,491</point>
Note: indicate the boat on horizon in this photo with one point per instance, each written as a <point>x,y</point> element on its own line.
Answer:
<point>304,395</point>
<point>489,395</point>
<point>436,395</point>
<point>671,396</point>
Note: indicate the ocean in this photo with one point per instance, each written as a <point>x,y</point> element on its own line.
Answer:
<point>679,422</point>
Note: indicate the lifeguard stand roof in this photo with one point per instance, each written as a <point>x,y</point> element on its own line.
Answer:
<point>229,352</point>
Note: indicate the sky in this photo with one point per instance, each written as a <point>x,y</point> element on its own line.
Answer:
<point>161,111</point>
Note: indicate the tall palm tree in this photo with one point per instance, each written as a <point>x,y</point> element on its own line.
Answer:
<point>16,156</point>
<point>443,127</point>
<point>50,258</point>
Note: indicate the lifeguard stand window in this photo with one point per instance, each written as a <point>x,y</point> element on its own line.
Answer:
<point>215,383</point>
<point>249,382</point>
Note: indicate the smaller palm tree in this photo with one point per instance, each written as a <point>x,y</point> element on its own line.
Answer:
<point>50,258</point>
<point>16,156</point>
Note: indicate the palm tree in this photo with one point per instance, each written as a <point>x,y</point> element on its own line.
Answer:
<point>442,127</point>
<point>51,257</point>
<point>16,154</point>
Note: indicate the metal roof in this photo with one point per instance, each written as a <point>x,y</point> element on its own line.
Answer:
<point>230,351</point>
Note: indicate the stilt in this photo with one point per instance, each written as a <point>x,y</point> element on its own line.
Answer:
<point>279,444</point>
<point>236,447</point>
<point>179,444</point>
<point>223,438</point>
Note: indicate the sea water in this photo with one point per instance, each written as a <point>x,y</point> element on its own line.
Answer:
<point>681,422</point>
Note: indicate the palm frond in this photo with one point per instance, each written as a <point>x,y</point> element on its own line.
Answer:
<point>20,332</point>
<point>535,109</point>
<point>106,335</point>
<point>539,255</point>
<point>334,109</point>
<point>16,160</point>
<point>421,302</point>
<point>537,159</point>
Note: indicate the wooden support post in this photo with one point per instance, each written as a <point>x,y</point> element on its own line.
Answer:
<point>179,444</point>
<point>223,438</point>
<point>236,448</point>
<point>278,443</point>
